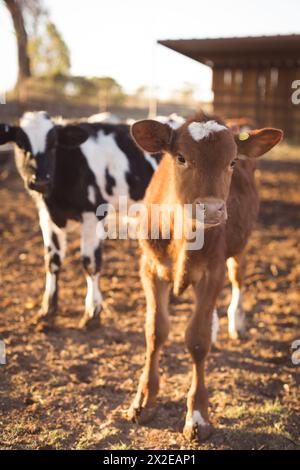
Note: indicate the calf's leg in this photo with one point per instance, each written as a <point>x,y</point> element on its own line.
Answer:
<point>156,331</point>
<point>91,253</point>
<point>235,312</point>
<point>55,249</point>
<point>198,341</point>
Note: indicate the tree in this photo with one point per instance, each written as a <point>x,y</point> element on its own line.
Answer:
<point>15,9</point>
<point>25,15</point>
<point>48,52</point>
<point>107,84</point>
<point>109,91</point>
<point>142,91</point>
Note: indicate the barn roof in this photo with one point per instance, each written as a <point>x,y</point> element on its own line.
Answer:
<point>243,51</point>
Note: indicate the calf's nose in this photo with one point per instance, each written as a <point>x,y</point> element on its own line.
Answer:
<point>39,184</point>
<point>214,210</point>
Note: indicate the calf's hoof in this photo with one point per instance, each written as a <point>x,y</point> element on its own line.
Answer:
<point>44,326</point>
<point>45,319</point>
<point>141,415</point>
<point>237,335</point>
<point>197,432</point>
<point>89,322</point>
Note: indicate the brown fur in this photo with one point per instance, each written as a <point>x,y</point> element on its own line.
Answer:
<point>206,175</point>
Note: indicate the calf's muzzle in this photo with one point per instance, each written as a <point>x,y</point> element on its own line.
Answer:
<point>39,184</point>
<point>214,210</point>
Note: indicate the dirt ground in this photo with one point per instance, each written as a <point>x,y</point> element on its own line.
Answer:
<point>69,389</point>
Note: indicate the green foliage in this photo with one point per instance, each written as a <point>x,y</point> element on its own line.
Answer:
<point>101,92</point>
<point>106,90</point>
<point>48,52</point>
<point>50,66</point>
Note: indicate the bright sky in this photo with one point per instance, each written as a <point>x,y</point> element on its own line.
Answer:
<point>117,37</point>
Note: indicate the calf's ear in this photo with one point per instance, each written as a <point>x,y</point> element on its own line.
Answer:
<point>71,136</point>
<point>151,136</point>
<point>7,133</point>
<point>255,143</point>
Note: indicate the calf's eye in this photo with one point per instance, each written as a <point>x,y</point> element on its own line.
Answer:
<point>232,164</point>
<point>180,159</point>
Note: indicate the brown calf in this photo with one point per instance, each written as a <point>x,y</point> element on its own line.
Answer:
<point>202,164</point>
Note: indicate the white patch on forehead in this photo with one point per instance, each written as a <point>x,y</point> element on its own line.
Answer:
<point>36,125</point>
<point>200,130</point>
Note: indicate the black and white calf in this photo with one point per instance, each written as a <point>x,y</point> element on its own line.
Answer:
<point>69,171</point>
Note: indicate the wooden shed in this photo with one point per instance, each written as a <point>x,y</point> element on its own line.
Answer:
<point>252,76</point>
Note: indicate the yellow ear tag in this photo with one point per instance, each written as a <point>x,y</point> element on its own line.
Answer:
<point>244,136</point>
